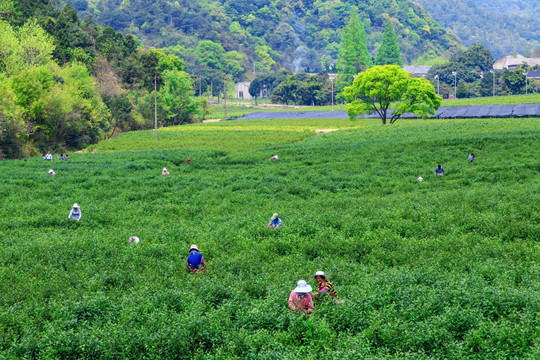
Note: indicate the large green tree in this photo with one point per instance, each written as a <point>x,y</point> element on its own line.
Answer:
<point>477,57</point>
<point>389,53</point>
<point>374,90</point>
<point>353,55</point>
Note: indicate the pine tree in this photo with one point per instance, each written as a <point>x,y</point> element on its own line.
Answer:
<point>389,53</point>
<point>353,55</point>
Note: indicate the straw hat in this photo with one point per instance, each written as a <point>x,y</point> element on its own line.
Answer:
<point>321,274</point>
<point>75,206</point>
<point>194,247</point>
<point>275,216</point>
<point>302,287</point>
<point>133,239</point>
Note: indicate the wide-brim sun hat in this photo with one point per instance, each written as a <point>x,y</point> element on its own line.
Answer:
<point>133,239</point>
<point>194,247</point>
<point>51,171</point>
<point>275,216</point>
<point>75,206</point>
<point>321,274</point>
<point>302,287</point>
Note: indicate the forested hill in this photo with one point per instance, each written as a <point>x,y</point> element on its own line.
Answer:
<point>295,34</point>
<point>502,26</point>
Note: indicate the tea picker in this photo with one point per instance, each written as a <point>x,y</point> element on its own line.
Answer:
<point>195,260</point>
<point>439,171</point>
<point>275,221</point>
<point>300,299</point>
<point>75,213</point>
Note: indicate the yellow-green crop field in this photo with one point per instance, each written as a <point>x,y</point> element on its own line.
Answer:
<point>446,268</point>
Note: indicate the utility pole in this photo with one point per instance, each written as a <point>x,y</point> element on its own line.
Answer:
<point>211,93</point>
<point>526,88</point>
<point>437,77</point>
<point>455,84</point>
<point>225,97</point>
<point>493,74</point>
<point>155,105</point>
<point>200,86</point>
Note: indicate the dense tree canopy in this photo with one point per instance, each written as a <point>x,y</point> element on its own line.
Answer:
<point>269,34</point>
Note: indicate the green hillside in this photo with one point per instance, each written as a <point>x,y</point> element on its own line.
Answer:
<point>296,34</point>
<point>444,268</point>
<point>502,26</point>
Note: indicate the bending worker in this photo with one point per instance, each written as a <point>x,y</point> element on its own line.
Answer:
<point>275,222</point>
<point>300,299</point>
<point>195,260</point>
<point>325,286</point>
<point>75,213</point>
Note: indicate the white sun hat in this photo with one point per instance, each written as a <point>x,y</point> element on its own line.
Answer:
<point>420,178</point>
<point>51,171</point>
<point>133,239</point>
<point>302,287</point>
<point>194,247</point>
<point>275,216</point>
<point>75,206</point>
<point>321,274</point>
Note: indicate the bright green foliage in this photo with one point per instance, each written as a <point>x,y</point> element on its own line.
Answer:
<point>264,61</point>
<point>443,269</point>
<point>374,91</point>
<point>209,54</point>
<point>389,53</point>
<point>28,47</point>
<point>353,55</point>
<point>176,97</point>
<point>233,63</point>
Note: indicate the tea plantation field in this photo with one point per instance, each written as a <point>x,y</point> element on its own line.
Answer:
<point>447,268</point>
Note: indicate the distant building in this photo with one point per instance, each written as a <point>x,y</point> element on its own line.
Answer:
<point>512,62</point>
<point>242,91</point>
<point>535,75</point>
<point>417,71</point>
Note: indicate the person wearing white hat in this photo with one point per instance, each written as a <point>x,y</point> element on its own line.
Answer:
<point>75,213</point>
<point>300,299</point>
<point>275,222</point>
<point>195,260</point>
<point>325,286</point>
<point>51,172</point>
<point>164,171</point>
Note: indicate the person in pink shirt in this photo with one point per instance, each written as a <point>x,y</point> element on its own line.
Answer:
<point>300,299</point>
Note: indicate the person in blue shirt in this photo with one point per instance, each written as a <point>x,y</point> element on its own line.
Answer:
<point>275,222</point>
<point>439,171</point>
<point>195,260</point>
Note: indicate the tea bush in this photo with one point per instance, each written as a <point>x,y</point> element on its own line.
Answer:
<point>445,268</point>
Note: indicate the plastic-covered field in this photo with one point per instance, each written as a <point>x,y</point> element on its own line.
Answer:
<point>483,111</point>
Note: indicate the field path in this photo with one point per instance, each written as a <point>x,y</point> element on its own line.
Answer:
<point>483,111</point>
